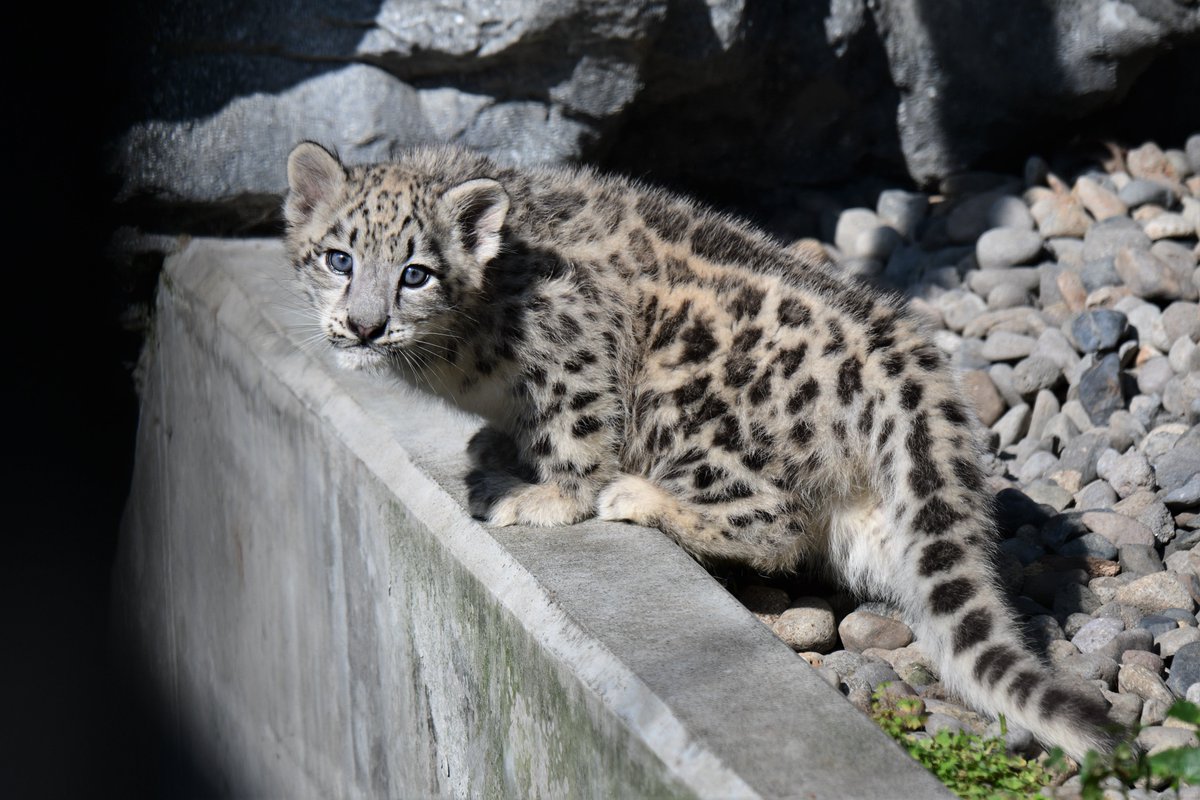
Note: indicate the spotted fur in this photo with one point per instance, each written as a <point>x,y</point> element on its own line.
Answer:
<point>647,359</point>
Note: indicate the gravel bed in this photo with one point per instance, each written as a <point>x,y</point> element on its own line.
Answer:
<point>1069,305</point>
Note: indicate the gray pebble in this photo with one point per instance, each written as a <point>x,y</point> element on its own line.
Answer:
<point>1155,592</point>
<point>936,723</point>
<point>1125,473</point>
<point>1114,610</point>
<point>1140,559</point>
<point>1169,226</point>
<point>1181,261</point>
<point>1105,239</point>
<point>1152,376</point>
<point>969,218</point>
<point>1146,275</point>
<point>1009,212</point>
<point>1090,544</point>
<point>1075,598</point>
<point>1007,346</point>
<point>1096,634</point>
<point>851,223</point>
<point>1082,452</point>
<point>1102,390</point>
<point>1091,667</point>
<point>984,281</point>
<point>1066,250</point>
<point>1136,679</point>
<point>862,629</point>
<point>1098,329</point>
<point>1054,345</point>
<point>1140,192</point>
<point>1143,408</point>
<point>1117,528</point>
<point>1012,426</point>
<point>1181,397</point>
<point>1060,429</point>
<point>1124,430</point>
<point>1185,669</point>
<point>1177,466</point>
<point>1184,356</point>
<point>903,210</point>
<point>1100,201</point>
<point>1181,319</point>
<point>1007,247</point>
<point>1008,295</point>
<point>1033,374</point>
<point>1071,626</point>
<point>1049,493</point>
<point>1098,273</point>
<point>807,625</point>
<point>1192,148</point>
<point>1146,508</point>
<point>1097,494</point>
<point>1126,709</point>
<point>1126,640</point>
<point>1142,316</point>
<point>959,307</point>
<point>1157,624</point>
<point>1036,466</point>
<point>876,244</point>
<point>1185,496</point>
<point>1169,642</point>
<point>1154,739</point>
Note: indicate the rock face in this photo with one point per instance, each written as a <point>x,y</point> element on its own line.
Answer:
<point>709,95</point>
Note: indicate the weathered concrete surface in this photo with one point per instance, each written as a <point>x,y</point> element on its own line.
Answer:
<point>324,618</point>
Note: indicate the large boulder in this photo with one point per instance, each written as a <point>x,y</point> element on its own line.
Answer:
<point>708,95</point>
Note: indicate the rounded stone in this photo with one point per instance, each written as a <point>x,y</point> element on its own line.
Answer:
<point>902,210</point>
<point>1181,396</point>
<point>982,394</point>
<point>851,223</point>
<point>1125,473</point>
<point>876,243</point>
<point>1170,642</point>
<point>1144,658</point>
<point>1155,739</point>
<point>1169,226</point>
<point>1102,390</point>
<point>1092,545</point>
<point>1098,200</point>
<point>1009,212</point>
<point>959,307</point>
<point>1182,319</point>
<point>1012,426</point>
<point>1098,329</point>
<point>1145,274</point>
<point>1008,295</point>
<point>1096,634</point>
<point>1155,592</point>
<point>862,629</point>
<point>1185,669</point>
<point>1006,247</point>
<point>1105,239</point>
<point>1091,667</point>
<point>1117,528</point>
<point>1007,346</point>
<point>1184,356</point>
<point>1145,192</point>
<point>1060,215</point>
<point>1152,376</point>
<point>807,625</point>
<point>1035,373</point>
<point>1096,495</point>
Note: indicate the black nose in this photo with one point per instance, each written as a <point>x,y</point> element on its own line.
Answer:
<point>366,331</point>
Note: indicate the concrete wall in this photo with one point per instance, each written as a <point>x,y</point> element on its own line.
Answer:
<point>324,619</point>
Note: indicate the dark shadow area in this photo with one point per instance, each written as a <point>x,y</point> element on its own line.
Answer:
<point>175,60</point>
<point>781,108</point>
<point>77,721</point>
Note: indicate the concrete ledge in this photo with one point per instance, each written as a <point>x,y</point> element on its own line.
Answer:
<point>326,620</point>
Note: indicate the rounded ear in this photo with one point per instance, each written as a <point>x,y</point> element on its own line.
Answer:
<point>314,176</point>
<point>475,212</point>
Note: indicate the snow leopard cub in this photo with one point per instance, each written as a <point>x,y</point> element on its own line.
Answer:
<point>654,361</point>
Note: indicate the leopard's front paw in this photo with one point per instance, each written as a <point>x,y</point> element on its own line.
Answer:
<point>634,499</point>
<point>538,504</point>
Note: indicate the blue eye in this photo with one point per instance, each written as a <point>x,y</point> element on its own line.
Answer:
<point>414,276</point>
<point>338,262</point>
